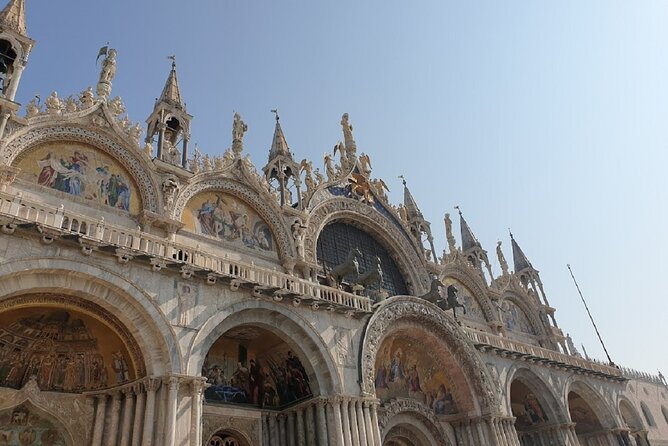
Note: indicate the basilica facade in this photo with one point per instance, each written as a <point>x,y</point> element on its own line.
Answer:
<point>152,295</point>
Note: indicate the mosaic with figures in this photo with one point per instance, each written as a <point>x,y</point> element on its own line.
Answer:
<point>515,319</point>
<point>227,218</point>
<point>83,171</point>
<point>60,349</point>
<point>252,366</point>
<point>405,369</point>
<point>21,426</point>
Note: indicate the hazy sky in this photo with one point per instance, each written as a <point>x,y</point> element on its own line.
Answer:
<point>546,117</point>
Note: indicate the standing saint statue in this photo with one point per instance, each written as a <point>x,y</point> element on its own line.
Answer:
<point>348,140</point>
<point>238,129</point>
<point>502,258</point>
<point>448,233</point>
<point>107,73</point>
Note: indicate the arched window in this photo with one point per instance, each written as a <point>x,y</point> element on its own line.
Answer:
<point>648,415</point>
<point>337,240</point>
<point>664,411</point>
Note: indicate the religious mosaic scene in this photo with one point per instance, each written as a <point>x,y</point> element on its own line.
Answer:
<point>155,295</point>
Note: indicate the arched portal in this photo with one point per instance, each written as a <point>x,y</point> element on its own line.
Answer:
<point>227,438</point>
<point>633,422</point>
<point>533,406</point>
<point>252,366</point>
<point>26,424</point>
<point>67,345</point>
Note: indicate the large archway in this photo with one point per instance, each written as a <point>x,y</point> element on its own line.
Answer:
<point>633,422</point>
<point>254,367</point>
<point>591,414</point>
<point>95,290</point>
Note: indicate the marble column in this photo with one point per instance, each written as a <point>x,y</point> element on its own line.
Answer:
<point>197,387</point>
<point>273,430</point>
<point>139,414</point>
<point>345,422</point>
<point>100,413</point>
<point>151,385</point>
<point>172,383</point>
<point>481,431</point>
<point>310,425</point>
<point>354,425</point>
<point>301,433</point>
<point>367,424</point>
<point>492,431</point>
<point>280,418</point>
<point>336,437</point>
<point>374,424</point>
<point>322,423</point>
<point>361,426</point>
<point>112,432</point>
<point>291,429</point>
<point>128,406</point>
<point>469,432</point>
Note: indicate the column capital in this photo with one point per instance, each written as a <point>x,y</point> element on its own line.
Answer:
<point>172,382</point>
<point>152,383</point>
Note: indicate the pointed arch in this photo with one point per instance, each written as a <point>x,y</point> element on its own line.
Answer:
<point>474,283</point>
<point>576,390</point>
<point>556,411</point>
<point>630,415</point>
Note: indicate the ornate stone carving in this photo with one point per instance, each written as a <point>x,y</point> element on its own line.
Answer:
<point>384,230</point>
<point>140,172</point>
<point>416,409</point>
<point>107,72</point>
<point>247,427</point>
<point>432,319</point>
<point>54,105</point>
<point>269,213</point>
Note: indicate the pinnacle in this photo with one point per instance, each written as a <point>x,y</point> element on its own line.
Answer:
<point>13,16</point>
<point>171,94</point>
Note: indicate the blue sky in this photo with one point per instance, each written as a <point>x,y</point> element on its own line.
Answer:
<point>545,117</point>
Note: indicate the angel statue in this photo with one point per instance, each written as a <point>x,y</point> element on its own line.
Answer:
<point>365,163</point>
<point>329,167</point>
<point>381,187</point>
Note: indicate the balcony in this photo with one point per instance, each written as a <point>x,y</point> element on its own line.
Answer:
<point>129,244</point>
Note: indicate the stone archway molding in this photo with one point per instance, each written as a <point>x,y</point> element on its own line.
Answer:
<point>396,241</point>
<point>287,324</point>
<point>269,211</point>
<point>474,283</point>
<point>68,413</point>
<point>133,161</point>
<point>436,321</point>
<point>557,412</point>
<point>125,300</point>
<point>400,412</point>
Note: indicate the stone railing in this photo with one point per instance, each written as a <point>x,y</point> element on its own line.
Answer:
<point>520,350</point>
<point>129,243</point>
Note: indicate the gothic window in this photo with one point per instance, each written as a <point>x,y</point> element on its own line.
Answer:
<point>7,57</point>
<point>337,240</point>
<point>648,415</point>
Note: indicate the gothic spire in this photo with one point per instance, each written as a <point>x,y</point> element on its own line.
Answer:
<point>13,16</point>
<point>469,240</point>
<point>519,258</point>
<point>279,145</point>
<point>171,94</point>
<point>412,210</point>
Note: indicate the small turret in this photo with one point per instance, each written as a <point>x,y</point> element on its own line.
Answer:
<point>471,247</point>
<point>281,168</point>
<point>171,122</point>
<point>416,222</point>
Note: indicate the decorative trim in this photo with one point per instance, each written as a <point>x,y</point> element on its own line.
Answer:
<point>434,320</point>
<point>270,214</point>
<point>357,213</point>
<point>137,168</point>
<point>415,409</point>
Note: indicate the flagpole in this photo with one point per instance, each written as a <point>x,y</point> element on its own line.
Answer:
<point>590,317</point>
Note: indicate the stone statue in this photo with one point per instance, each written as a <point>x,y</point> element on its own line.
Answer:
<point>134,132</point>
<point>351,147</point>
<point>116,107</point>
<point>196,161</point>
<point>218,163</point>
<point>341,148</point>
<point>107,74</point>
<point>298,229</point>
<point>380,187</point>
<point>448,234</point>
<point>571,346</point>
<point>502,258</point>
<point>239,128</point>
<point>54,106</point>
<point>307,167</point>
<point>319,178</point>
<point>71,105</point>
<point>365,163</point>
<point>401,210</point>
<point>329,168</point>
<point>171,154</point>
<point>86,98</point>
<point>207,163</point>
<point>33,108</point>
<point>169,188</point>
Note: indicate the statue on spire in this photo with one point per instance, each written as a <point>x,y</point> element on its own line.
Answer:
<point>452,246</point>
<point>239,128</point>
<point>351,147</point>
<point>502,258</point>
<point>107,72</point>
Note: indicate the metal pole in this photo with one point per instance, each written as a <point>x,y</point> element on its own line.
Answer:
<point>590,317</point>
